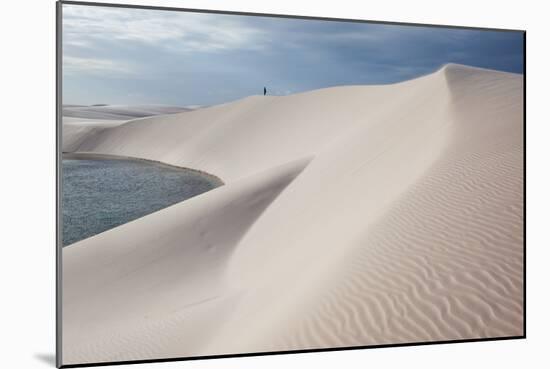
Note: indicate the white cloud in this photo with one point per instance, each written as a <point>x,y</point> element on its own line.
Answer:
<point>73,65</point>
<point>84,26</point>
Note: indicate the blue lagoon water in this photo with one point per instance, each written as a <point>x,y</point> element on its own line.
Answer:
<point>100,194</point>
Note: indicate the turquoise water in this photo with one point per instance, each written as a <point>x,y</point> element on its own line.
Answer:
<point>101,194</point>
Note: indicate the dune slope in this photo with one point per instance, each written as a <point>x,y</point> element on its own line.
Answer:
<point>352,215</point>
<point>178,257</point>
<point>82,121</point>
<point>120,112</point>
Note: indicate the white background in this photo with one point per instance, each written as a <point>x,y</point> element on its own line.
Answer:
<point>27,193</point>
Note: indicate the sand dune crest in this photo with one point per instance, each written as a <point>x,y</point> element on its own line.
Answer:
<point>403,223</point>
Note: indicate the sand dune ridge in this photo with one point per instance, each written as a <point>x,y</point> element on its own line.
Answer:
<point>352,215</point>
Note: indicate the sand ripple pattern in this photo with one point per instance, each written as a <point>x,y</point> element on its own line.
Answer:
<point>402,222</point>
<point>445,263</point>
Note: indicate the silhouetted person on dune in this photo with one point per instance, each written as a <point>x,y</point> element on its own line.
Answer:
<point>265,91</point>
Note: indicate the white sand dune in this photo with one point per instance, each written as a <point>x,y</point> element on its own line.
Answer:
<point>122,112</point>
<point>350,216</point>
<point>82,121</point>
<point>76,130</point>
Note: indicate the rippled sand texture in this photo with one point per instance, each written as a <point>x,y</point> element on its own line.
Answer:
<point>354,215</point>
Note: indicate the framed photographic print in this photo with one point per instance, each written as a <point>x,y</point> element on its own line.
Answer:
<point>240,184</point>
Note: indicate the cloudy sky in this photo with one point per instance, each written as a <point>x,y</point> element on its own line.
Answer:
<point>136,56</point>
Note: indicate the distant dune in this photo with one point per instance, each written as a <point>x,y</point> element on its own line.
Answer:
<point>354,215</point>
<point>121,112</point>
<point>82,121</point>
